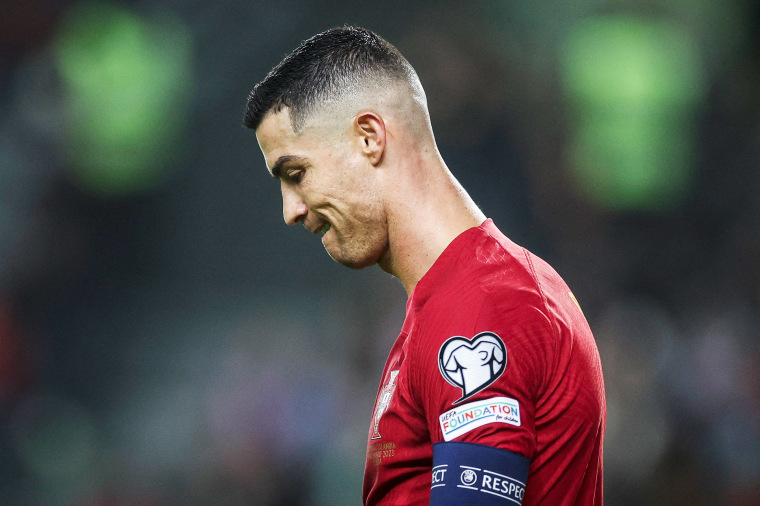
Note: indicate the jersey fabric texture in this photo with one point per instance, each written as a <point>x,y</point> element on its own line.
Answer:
<point>494,351</point>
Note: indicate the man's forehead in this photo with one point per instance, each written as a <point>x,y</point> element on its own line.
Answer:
<point>275,128</point>
<point>276,136</point>
<point>279,140</point>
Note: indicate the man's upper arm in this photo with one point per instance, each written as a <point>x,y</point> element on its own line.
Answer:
<point>479,382</point>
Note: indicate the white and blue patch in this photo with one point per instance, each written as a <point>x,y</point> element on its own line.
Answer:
<point>462,419</point>
<point>467,473</point>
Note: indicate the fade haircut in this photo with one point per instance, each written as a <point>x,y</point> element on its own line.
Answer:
<point>321,69</point>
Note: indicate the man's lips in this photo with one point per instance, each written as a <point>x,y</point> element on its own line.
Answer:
<point>320,229</point>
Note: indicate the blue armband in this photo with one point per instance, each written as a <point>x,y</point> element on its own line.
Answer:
<point>467,473</point>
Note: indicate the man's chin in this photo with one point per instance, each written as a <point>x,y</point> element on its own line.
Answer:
<point>352,262</point>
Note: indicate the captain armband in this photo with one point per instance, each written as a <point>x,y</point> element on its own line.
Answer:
<point>467,473</point>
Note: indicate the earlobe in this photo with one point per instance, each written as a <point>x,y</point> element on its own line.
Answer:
<point>371,130</point>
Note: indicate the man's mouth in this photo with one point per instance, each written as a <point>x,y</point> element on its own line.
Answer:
<point>325,229</point>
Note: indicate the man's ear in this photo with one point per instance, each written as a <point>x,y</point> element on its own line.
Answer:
<point>370,129</point>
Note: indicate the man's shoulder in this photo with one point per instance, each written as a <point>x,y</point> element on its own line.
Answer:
<point>489,281</point>
<point>529,272</point>
<point>495,297</point>
<point>493,271</point>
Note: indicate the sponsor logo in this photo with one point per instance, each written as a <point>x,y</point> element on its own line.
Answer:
<point>472,364</point>
<point>464,418</point>
<point>382,403</point>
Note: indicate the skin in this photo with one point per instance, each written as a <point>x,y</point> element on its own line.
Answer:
<point>368,166</point>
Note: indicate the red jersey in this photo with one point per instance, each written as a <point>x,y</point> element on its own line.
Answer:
<point>494,351</point>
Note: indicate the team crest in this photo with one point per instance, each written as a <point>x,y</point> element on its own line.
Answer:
<point>472,364</point>
<point>383,401</point>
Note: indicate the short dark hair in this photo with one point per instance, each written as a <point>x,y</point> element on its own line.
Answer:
<point>320,69</point>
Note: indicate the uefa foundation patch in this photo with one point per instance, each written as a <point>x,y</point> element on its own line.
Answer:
<point>466,417</point>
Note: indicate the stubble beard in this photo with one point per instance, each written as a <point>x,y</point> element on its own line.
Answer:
<point>359,252</point>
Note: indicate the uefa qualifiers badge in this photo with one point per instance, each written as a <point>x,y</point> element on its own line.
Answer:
<point>472,364</point>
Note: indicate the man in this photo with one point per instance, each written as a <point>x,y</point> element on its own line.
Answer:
<point>493,391</point>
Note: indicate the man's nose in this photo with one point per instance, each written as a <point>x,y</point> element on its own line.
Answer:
<point>293,208</point>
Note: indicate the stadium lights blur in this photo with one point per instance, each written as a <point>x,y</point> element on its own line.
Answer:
<point>633,86</point>
<point>125,79</point>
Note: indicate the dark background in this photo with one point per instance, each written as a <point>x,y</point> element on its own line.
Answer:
<point>165,339</point>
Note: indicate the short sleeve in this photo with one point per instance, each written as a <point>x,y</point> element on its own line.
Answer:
<point>480,369</point>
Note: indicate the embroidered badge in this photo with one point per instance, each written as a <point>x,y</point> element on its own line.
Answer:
<point>472,364</point>
<point>383,401</point>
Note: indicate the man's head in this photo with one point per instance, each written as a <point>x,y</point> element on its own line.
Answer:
<point>333,120</point>
<point>325,68</point>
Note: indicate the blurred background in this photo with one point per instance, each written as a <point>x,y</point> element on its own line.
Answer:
<point>165,339</point>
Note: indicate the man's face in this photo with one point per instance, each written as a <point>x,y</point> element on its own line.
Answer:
<point>328,186</point>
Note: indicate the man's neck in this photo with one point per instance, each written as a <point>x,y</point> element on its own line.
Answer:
<point>425,213</point>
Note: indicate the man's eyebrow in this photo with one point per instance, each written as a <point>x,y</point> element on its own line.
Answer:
<point>281,162</point>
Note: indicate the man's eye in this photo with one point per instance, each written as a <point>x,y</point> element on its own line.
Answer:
<point>295,176</point>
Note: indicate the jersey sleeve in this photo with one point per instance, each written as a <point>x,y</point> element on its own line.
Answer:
<point>480,368</point>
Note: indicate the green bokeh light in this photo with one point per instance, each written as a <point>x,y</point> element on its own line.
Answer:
<point>634,85</point>
<point>126,80</point>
